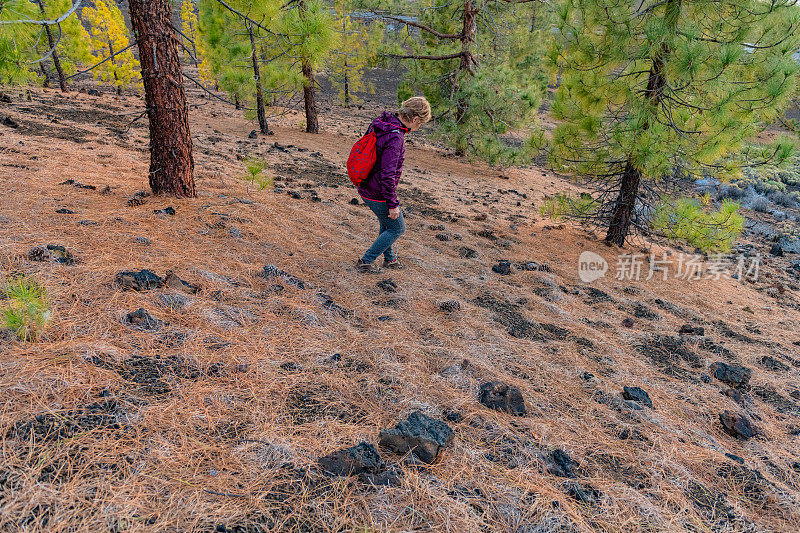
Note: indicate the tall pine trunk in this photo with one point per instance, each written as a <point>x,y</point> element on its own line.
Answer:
<point>468,33</point>
<point>262,116</point>
<point>622,214</point>
<point>62,80</point>
<point>312,124</point>
<point>346,86</point>
<point>171,162</point>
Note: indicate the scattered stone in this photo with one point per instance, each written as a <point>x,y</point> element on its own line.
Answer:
<point>106,190</point>
<point>738,426</point>
<point>172,281</point>
<point>253,135</point>
<point>142,240</point>
<point>138,198</point>
<point>733,375</point>
<point>354,201</point>
<point>467,253</point>
<point>10,122</point>
<point>450,306</point>
<point>638,395</point>
<point>480,216</point>
<point>88,223</point>
<point>443,236</point>
<point>356,460</point>
<point>5,98</point>
<point>235,233</point>
<point>419,434</point>
<point>141,319</point>
<point>273,271</point>
<point>627,322</point>
<point>387,285</point>
<point>503,267</point>
<point>688,329</point>
<point>51,252</point>
<point>328,303</point>
<point>64,211</point>
<point>705,378</point>
<point>770,363</point>
<point>735,458</point>
<point>559,463</point>
<point>776,250</point>
<point>501,397</point>
<point>166,211</point>
<point>93,92</point>
<point>143,280</point>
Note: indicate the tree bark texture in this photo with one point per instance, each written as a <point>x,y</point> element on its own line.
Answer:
<point>468,33</point>
<point>262,116</point>
<point>171,161</point>
<point>312,124</point>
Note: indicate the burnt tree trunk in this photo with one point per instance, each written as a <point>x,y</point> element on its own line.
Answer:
<point>262,116</point>
<point>312,124</point>
<point>171,161</point>
<point>620,224</point>
<point>622,215</point>
<point>46,82</point>
<point>346,86</point>
<point>62,80</point>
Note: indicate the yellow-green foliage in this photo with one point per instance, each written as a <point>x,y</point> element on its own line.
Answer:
<point>16,41</point>
<point>685,219</point>
<point>561,206</point>
<point>26,310</point>
<point>357,49</point>
<point>74,46</point>
<point>109,35</point>
<point>255,173</point>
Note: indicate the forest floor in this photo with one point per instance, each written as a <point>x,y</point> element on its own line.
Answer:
<point>212,416</point>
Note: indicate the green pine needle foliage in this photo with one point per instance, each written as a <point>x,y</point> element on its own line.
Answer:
<point>27,310</point>
<point>563,205</point>
<point>685,219</point>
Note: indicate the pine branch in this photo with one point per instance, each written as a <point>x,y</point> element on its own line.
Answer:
<point>101,62</point>
<point>430,30</point>
<point>46,22</point>
<point>433,58</point>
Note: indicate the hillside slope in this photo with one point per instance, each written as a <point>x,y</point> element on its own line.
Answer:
<point>214,416</point>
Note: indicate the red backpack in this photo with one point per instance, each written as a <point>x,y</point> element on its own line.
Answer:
<point>362,158</point>
<point>364,155</point>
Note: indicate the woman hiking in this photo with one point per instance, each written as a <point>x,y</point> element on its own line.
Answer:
<point>379,189</point>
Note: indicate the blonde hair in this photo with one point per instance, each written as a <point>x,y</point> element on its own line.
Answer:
<point>416,106</point>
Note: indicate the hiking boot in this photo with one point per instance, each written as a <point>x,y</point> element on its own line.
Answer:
<point>368,268</point>
<point>395,264</point>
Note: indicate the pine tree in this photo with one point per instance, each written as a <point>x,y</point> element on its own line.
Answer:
<point>308,28</point>
<point>17,41</point>
<point>69,42</point>
<point>232,45</point>
<point>358,49</point>
<point>480,65</point>
<point>651,86</point>
<point>109,35</point>
<point>171,159</point>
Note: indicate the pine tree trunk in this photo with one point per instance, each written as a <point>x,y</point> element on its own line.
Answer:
<point>622,216</point>
<point>468,33</point>
<point>46,82</point>
<point>312,124</point>
<point>262,116</point>
<point>62,80</point>
<point>171,162</point>
<point>346,86</point>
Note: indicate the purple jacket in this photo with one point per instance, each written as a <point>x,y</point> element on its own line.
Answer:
<point>381,183</point>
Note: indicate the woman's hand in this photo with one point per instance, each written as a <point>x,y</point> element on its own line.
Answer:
<point>394,213</point>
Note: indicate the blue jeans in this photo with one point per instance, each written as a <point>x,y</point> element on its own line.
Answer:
<point>390,230</point>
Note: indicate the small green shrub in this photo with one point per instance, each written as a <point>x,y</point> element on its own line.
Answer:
<point>686,219</point>
<point>27,311</point>
<point>562,205</point>
<point>255,173</point>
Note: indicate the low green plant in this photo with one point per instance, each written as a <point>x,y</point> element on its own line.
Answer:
<point>255,173</point>
<point>27,311</point>
<point>685,219</point>
<point>562,205</point>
